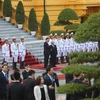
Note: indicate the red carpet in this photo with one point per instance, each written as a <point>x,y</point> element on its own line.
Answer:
<point>41,67</point>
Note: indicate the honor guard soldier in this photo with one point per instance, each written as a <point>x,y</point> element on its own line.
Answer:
<point>6,50</point>
<point>14,52</point>
<point>72,42</point>
<point>66,46</point>
<point>62,42</point>
<point>56,42</point>
<point>22,52</point>
<point>50,38</point>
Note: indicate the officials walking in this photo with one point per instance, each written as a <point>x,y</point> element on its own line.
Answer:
<point>22,52</point>
<point>14,52</point>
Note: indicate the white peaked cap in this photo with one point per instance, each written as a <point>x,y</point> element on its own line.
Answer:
<point>22,37</point>
<point>61,34</point>
<point>55,34</point>
<point>67,33</point>
<point>6,38</point>
<point>51,34</point>
<point>52,40</point>
<point>14,38</point>
<point>72,33</point>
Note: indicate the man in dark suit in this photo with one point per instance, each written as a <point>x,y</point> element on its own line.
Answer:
<point>76,96</point>
<point>16,90</point>
<point>25,72</point>
<point>46,52</point>
<point>54,75</point>
<point>53,54</point>
<point>30,83</point>
<point>3,82</point>
<point>50,82</point>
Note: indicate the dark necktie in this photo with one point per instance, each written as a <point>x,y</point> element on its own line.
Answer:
<point>6,76</point>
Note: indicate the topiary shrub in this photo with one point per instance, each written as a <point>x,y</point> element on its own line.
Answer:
<point>7,8</point>
<point>64,19</point>
<point>73,27</point>
<point>20,14</point>
<point>89,30</point>
<point>32,21</point>
<point>71,88</point>
<point>67,14</point>
<point>45,25</point>
<point>82,57</point>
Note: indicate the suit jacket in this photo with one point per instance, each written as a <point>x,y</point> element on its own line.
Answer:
<point>77,96</point>
<point>53,50</point>
<point>25,74</point>
<point>46,48</point>
<point>37,92</point>
<point>29,83</point>
<point>54,76</point>
<point>49,82</point>
<point>16,91</point>
<point>3,84</point>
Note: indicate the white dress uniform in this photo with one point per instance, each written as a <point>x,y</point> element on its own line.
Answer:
<point>50,40</point>
<point>56,42</point>
<point>14,51</point>
<point>95,46</point>
<point>71,48</point>
<point>61,43</point>
<point>89,46</point>
<point>77,47</point>
<point>67,43</point>
<point>83,47</point>
<point>22,50</point>
<point>6,52</point>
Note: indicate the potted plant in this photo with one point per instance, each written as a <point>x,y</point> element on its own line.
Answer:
<point>32,22</point>
<point>7,9</point>
<point>20,15</point>
<point>45,26</point>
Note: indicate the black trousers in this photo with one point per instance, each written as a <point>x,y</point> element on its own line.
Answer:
<point>53,60</point>
<point>46,58</point>
<point>52,94</point>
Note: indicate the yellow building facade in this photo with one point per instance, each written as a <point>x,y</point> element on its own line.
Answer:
<point>53,7</point>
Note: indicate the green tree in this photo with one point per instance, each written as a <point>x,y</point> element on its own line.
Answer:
<point>7,8</point>
<point>89,30</point>
<point>32,21</point>
<point>20,14</point>
<point>45,25</point>
<point>64,19</point>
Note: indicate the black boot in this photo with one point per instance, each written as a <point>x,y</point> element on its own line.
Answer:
<point>22,65</point>
<point>14,65</point>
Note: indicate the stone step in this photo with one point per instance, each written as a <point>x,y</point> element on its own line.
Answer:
<point>17,36</point>
<point>33,44</point>
<point>12,31</point>
<point>8,26</point>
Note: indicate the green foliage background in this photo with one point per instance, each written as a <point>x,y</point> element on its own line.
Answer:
<point>89,30</point>
<point>7,8</point>
<point>45,25</point>
<point>32,21</point>
<point>20,14</point>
